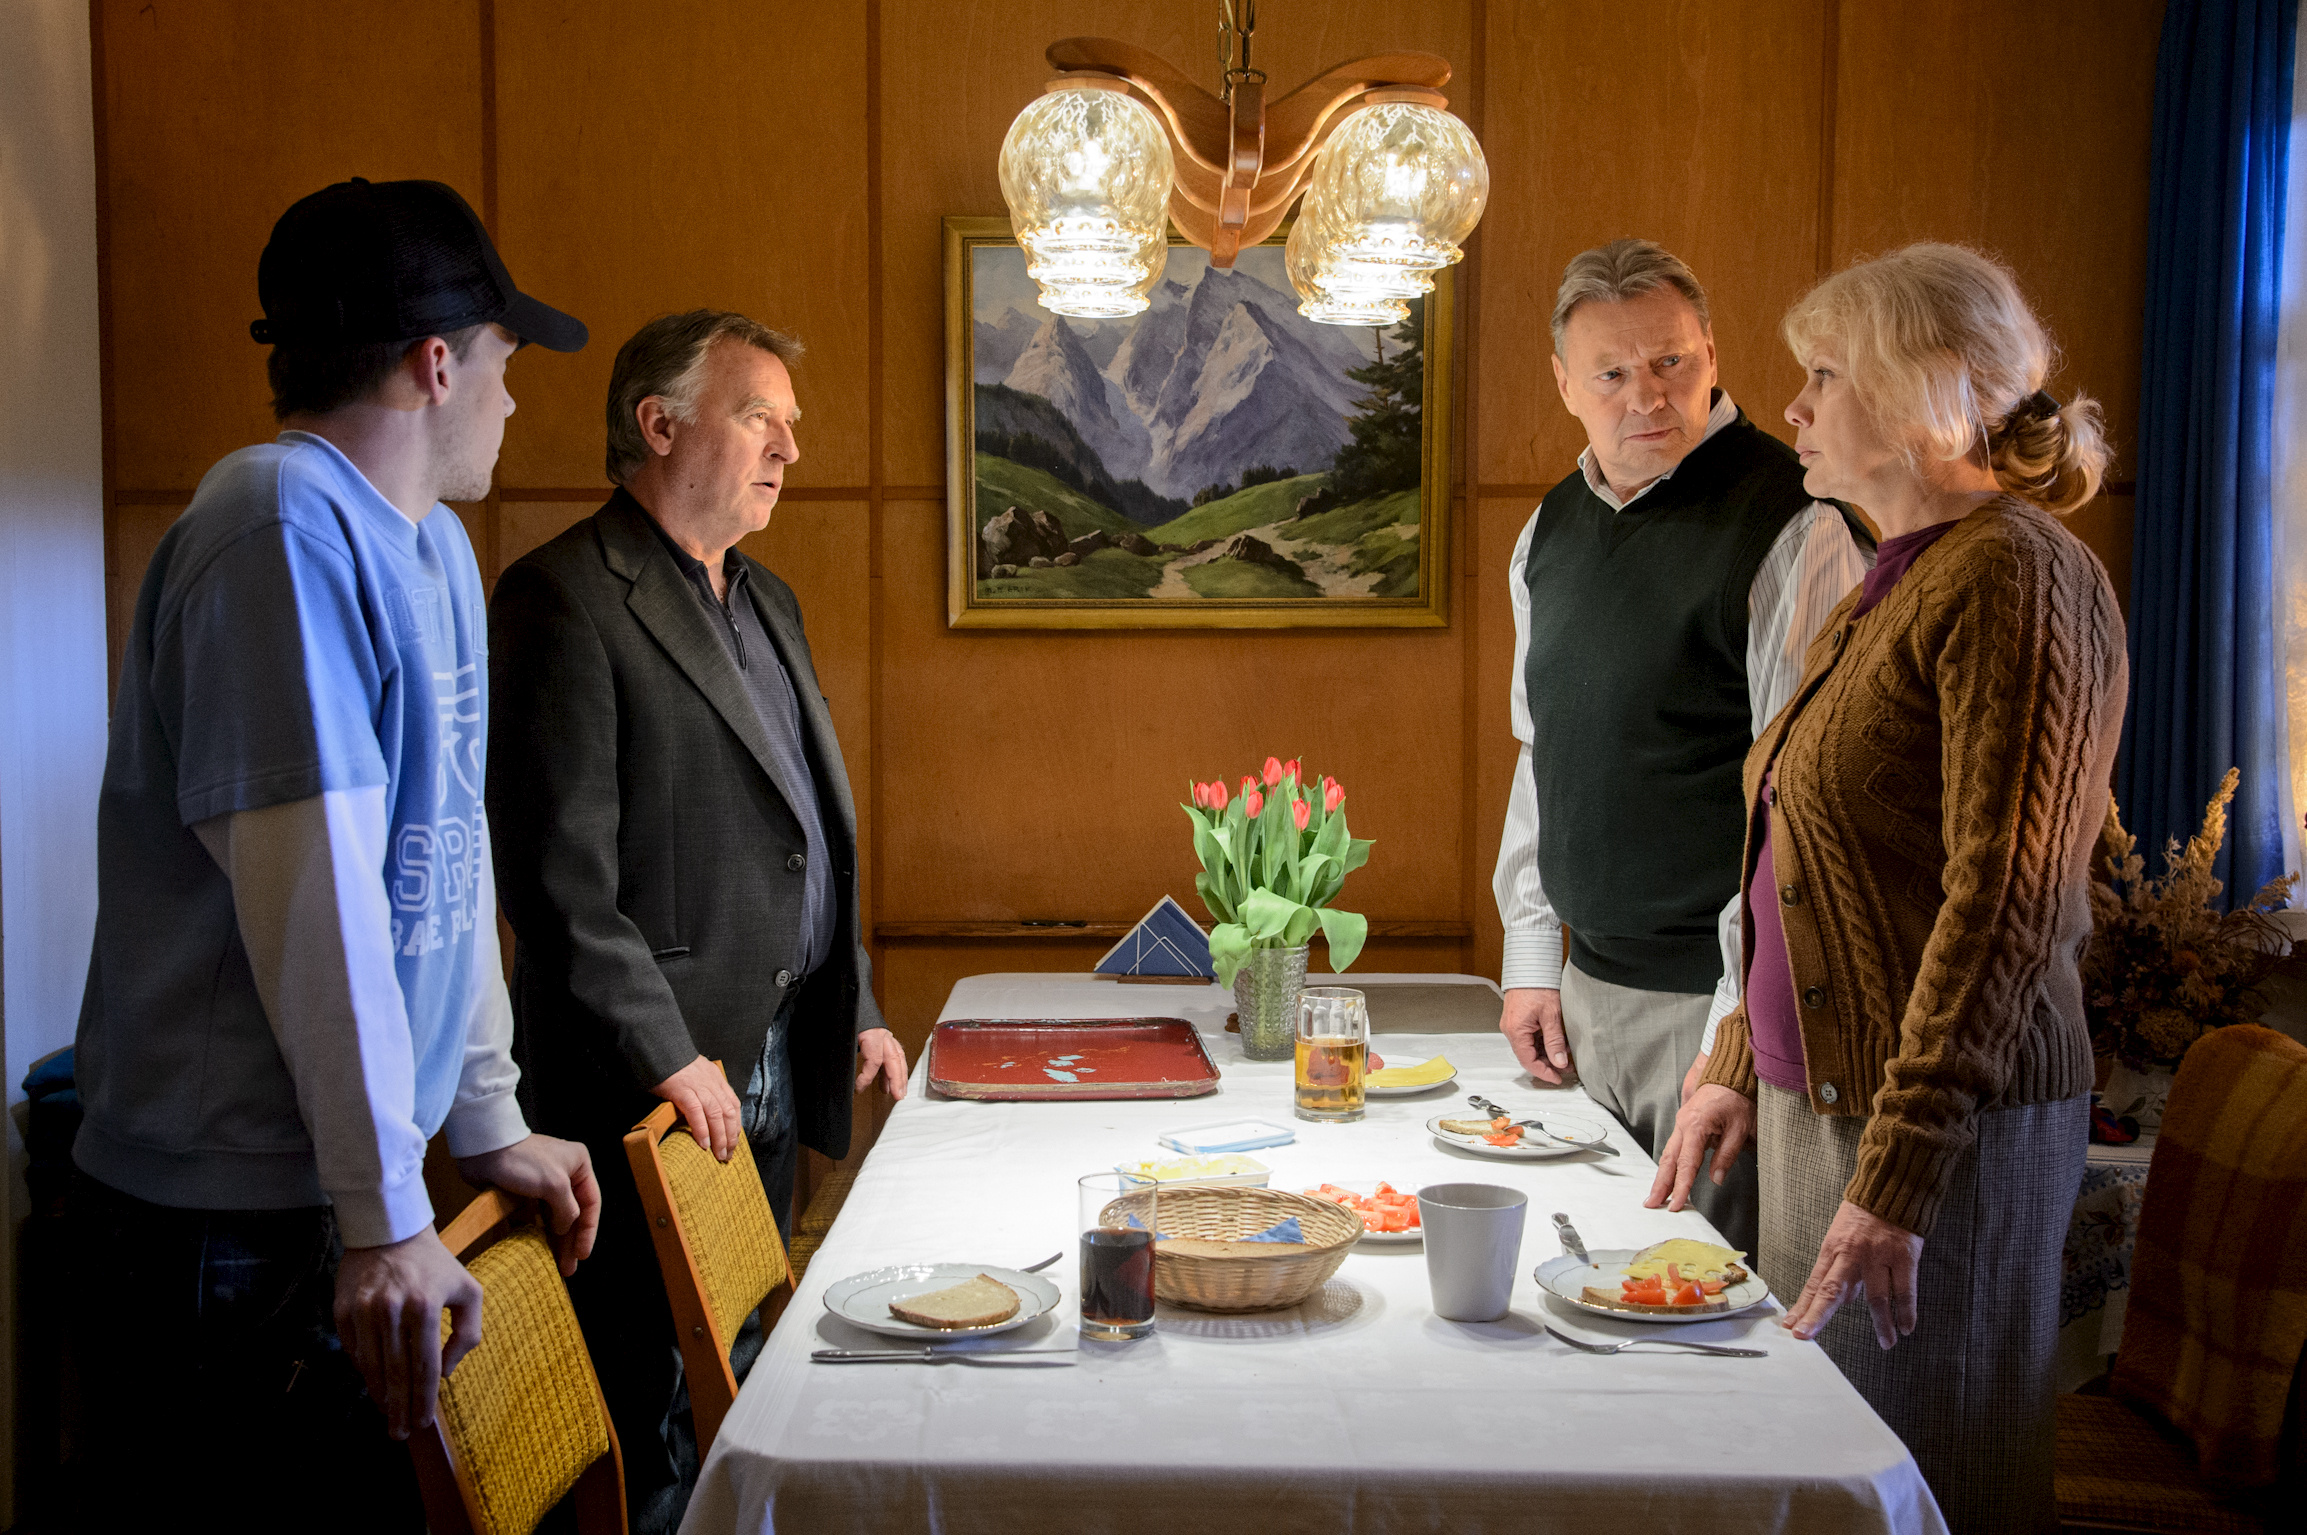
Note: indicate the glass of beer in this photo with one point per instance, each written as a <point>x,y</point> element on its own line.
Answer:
<point>1333,1053</point>
<point>1117,1255</point>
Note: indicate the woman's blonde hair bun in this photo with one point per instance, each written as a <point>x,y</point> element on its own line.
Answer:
<point>2053,457</point>
<point>1944,352</point>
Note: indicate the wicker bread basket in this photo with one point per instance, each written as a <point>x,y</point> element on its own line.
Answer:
<point>1248,1282</point>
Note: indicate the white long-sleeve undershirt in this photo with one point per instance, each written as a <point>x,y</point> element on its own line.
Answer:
<point>308,892</point>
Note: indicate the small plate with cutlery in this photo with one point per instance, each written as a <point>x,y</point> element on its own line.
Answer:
<point>1552,1133</point>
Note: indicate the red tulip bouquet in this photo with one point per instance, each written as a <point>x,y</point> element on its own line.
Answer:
<point>1273,858</point>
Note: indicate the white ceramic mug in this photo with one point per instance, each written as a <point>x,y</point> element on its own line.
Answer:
<point>1473,1239</point>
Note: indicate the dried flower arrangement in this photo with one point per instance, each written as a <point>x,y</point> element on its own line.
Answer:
<point>2164,966</point>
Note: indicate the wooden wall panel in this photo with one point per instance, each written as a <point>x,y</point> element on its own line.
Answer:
<point>676,156</point>
<point>218,115</point>
<point>523,525</point>
<point>1938,138</point>
<point>1038,775</point>
<point>1695,124</point>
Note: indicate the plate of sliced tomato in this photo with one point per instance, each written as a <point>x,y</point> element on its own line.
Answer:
<point>1388,1214</point>
<point>1567,1278</point>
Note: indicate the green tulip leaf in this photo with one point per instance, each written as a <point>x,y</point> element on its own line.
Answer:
<point>1347,932</point>
<point>1357,853</point>
<point>1213,898</point>
<point>1266,914</point>
<point>1229,947</point>
<point>1303,921</point>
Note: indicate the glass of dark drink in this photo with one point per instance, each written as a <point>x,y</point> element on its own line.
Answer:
<point>1117,1255</point>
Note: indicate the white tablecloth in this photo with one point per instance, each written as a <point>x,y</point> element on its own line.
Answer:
<point>1358,1411</point>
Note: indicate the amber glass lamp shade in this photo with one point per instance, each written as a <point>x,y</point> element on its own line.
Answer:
<point>1318,298</point>
<point>1086,171</point>
<point>1399,186</point>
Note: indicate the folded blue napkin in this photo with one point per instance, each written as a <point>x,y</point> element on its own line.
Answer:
<point>1281,1231</point>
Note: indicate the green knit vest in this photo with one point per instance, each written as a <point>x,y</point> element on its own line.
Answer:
<point>1638,692</point>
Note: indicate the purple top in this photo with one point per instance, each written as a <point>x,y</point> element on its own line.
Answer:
<point>1774,1025</point>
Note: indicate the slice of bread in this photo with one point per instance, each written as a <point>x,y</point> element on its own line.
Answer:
<point>979,1302</point>
<point>1614,1301</point>
<point>1467,1126</point>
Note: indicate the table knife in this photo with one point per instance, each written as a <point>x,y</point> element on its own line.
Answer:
<point>1569,1234</point>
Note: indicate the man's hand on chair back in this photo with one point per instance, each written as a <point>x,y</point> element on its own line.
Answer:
<point>388,1312</point>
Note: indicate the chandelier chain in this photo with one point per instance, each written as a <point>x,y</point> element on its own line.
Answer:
<point>1237,20</point>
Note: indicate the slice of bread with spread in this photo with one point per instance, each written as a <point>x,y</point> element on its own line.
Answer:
<point>978,1302</point>
<point>1675,1262</point>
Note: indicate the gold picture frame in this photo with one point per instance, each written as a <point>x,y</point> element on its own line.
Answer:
<point>1345,569</point>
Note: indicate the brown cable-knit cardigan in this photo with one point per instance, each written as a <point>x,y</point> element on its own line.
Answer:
<point>1942,775</point>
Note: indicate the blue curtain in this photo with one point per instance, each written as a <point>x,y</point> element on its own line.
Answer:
<point>2203,634</point>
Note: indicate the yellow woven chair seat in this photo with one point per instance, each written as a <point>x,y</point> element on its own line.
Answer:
<point>521,1410</point>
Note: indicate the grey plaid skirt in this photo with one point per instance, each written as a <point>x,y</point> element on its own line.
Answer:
<point>1970,1390</point>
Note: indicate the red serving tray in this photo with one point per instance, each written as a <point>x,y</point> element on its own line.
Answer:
<point>1013,1060</point>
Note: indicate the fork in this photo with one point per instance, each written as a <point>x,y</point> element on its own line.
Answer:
<point>1723,1349</point>
<point>1487,1107</point>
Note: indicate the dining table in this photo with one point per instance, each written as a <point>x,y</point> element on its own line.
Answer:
<point>1357,1410</point>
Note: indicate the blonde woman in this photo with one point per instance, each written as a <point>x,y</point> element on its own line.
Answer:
<point>1910,1055</point>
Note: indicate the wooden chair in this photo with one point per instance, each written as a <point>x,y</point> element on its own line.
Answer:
<point>719,1251</point>
<point>2199,1427</point>
<point>521,1421</point>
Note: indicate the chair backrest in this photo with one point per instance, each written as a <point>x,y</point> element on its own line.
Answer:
<point>717,1246</point>
<point>2217,1317</point>
<point>521,1419</point>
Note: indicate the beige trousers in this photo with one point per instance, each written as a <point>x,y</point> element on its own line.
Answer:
<point>1970,1389</point>
<point>1632,1049</point>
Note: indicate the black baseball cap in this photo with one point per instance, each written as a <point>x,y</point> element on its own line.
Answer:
<point>367,261</point>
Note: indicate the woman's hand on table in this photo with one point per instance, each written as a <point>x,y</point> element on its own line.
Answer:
<point>880,1055</point>
<point>1713,1115</point>
<point>1861,1248</point>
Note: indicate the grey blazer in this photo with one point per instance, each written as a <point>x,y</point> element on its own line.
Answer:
<point>644,857</point>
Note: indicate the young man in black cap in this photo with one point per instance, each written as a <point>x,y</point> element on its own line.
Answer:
<point>295,981</point>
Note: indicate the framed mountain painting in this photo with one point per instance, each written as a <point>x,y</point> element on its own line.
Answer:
<point>1217,461</point>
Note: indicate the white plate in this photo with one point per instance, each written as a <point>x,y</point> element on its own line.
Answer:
<point>1564,1277</point>
<point>1372,1090</point>
<point>1374,1238</point>
<point>863,1299</point>
<point>1534,1146</point>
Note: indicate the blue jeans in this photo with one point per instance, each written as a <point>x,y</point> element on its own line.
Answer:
<point>205,1374</point>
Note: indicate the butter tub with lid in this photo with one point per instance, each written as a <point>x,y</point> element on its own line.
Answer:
<point>1222,1169</point>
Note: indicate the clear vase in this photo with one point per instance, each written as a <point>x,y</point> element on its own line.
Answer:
<point>1266,992</point>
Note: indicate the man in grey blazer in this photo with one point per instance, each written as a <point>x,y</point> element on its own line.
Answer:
<point>676,846</point>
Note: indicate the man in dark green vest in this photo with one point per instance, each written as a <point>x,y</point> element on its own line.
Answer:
<point>1663,596</point>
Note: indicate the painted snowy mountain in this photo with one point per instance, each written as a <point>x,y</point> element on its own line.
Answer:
<point>1218,374</point>
<point>1000,343</point>
<point>1056,366</point>
<point>1246,387</point>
